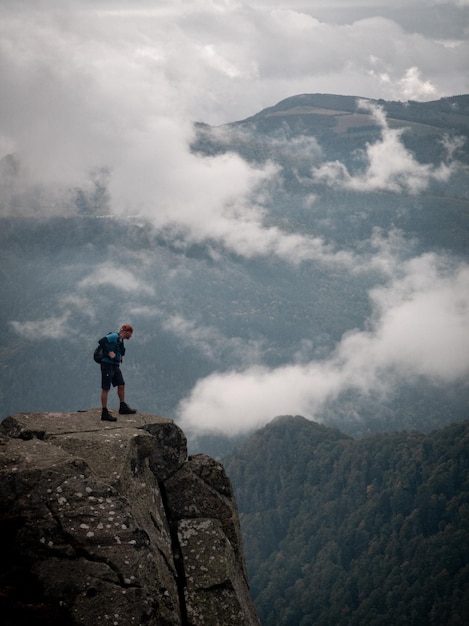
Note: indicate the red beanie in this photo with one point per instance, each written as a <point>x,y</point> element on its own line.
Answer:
<point>127,327</point>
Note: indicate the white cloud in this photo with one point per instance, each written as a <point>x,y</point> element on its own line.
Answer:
<point>145,311</point>
<point>211,342</point>
<point>424,321</point>
<point>76,302</point>
<point>414,88</point>
<point>389,165</point>
<point>419,328</point>
<point>49,328</point>
<point>117,277</point>
<point>410,87</point>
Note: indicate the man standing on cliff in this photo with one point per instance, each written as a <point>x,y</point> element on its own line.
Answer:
<point>114,350</point>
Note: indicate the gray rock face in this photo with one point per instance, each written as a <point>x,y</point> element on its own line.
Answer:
<point>110,523</point>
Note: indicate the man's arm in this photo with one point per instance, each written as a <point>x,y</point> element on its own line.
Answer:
<point>109,344</point>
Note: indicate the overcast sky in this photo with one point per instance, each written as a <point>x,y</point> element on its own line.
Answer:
<point>87,84</point>
<point>218,60</point>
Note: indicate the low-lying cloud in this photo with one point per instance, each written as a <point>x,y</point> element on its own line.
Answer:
<point>389,166</point>
<point>419,328</point>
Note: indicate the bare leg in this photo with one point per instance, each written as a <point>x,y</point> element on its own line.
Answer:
<point>104,395</point>
<point>121,392</point>
<point>124,408</point>
<point>105,415</point>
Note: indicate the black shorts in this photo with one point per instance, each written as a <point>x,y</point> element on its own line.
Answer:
<point>111,374</point>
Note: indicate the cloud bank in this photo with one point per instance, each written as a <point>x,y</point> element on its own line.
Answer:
<point>419,328</point>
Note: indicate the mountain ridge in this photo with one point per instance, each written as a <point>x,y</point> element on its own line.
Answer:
<point>452,110</point>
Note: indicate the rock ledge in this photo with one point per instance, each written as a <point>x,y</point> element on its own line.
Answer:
<point>111,523</point>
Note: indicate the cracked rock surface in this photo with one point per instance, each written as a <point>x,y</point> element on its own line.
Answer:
<point>110,523</point>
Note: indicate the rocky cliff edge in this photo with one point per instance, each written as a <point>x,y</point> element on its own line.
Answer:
<point>111,523</point>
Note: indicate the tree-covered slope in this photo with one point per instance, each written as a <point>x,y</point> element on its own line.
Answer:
<point>345,532</point>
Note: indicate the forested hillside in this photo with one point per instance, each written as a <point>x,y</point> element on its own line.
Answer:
<point>346,532</point>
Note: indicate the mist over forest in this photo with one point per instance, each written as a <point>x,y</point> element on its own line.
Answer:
<point>314,262</point>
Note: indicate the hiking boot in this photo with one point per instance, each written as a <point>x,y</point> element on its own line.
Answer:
<point>126,410</point>
<point>107,417</point>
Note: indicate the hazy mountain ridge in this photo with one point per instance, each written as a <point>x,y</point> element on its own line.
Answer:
<point>326,115</point>
<point>437,217</point>
<point>447,112</point>
<point>351,532</point>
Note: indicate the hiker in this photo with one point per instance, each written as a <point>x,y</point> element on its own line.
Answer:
<point>113,351</point>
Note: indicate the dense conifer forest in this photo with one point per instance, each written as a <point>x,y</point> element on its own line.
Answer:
<point>344,532</point>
